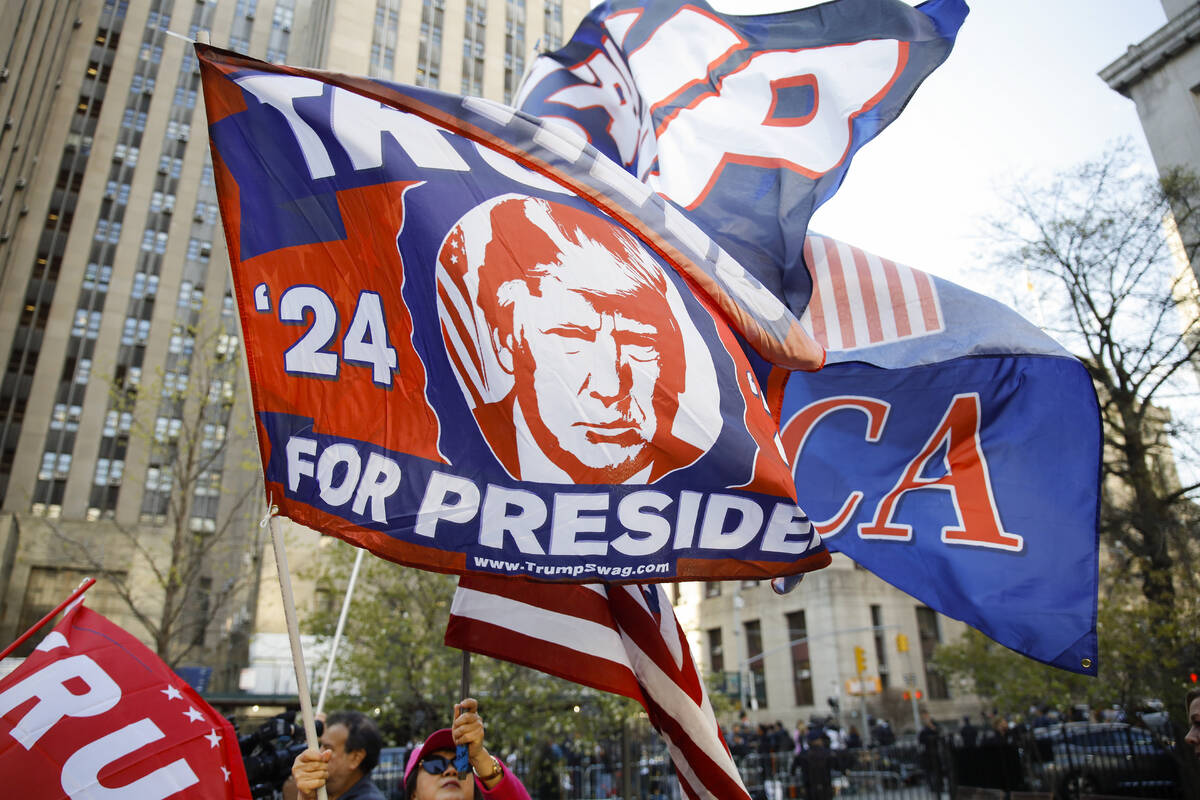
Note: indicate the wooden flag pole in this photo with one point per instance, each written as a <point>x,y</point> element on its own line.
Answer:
<point>289,615</point>
<point>337,634</point>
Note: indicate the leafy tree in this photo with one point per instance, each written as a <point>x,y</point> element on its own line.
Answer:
<point>392,658</point>
<point>1140,660</point>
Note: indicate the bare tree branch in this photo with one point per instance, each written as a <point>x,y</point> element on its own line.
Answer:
<point>1096,238</point>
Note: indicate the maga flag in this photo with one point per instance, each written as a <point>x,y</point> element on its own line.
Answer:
<point>947,445</point>
<point>748,122</point>
<point>94,713</point>
<point>619,639</point>
<point>956,449</point>
<point>475,344</point>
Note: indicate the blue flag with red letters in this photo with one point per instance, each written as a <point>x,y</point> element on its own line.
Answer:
<point>953,449</point>
<point>748,122</point>
<point>475,345</point>
<point>947,445</point>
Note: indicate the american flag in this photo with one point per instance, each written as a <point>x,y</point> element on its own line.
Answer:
<point>861,300</point>
<point>620,638</point>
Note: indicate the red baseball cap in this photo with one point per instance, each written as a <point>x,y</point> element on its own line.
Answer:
<point>438,740</point>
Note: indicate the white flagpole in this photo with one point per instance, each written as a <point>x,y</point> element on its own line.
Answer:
<point>289,615</point>
<point>337,634</point>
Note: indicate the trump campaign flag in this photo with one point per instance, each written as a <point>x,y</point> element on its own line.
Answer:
<point>477,345</point>
<point>94,713</point>
<point>748,122</point>
<point>947,445</point>
<point>620,639</point>
<point>956,449</point>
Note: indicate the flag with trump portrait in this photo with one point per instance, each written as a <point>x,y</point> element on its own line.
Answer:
<point>947,445</point>
<point>476,345</point>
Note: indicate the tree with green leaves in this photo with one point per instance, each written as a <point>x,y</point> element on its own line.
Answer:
<point>1142,659</point>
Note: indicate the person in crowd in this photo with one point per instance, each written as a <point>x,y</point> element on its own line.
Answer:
<point>817,767</point>
<point>928,738</point>
<point>1000,730</point>
<point>742,737</point>
<point>816,730</point>
<point>800,737</point>
<point>1192,704</point>
<point>350,746</point>
<point>430,773</point>
<point>853,738</point>
<point>762,742</point>
<point>968,732</point>
<point>546,770</point>
<point>837,740</point>
<point>780,741</point>
<point>882,734</point>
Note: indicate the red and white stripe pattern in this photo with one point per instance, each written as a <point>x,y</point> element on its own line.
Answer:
<point>861,300</point>
<point>618,638</point>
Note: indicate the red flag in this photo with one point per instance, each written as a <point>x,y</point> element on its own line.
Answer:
<point>94,713</point>
<point>621,639</point>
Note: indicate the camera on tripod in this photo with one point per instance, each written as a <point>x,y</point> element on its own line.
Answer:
<point>269,751</point>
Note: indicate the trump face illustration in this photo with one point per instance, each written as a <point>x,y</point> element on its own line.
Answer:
<point>572,346</point>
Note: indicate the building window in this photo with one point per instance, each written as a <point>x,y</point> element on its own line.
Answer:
<point>757,669</point>
<point>712,588</point>
<point>552,24</point>
<point>429,52</point>
<point>514,47</point>
<point>716,652</point>
<point>931,637</point>
<point>801,663</point>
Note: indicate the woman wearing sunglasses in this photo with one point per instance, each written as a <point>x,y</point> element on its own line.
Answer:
<point>430,773</point>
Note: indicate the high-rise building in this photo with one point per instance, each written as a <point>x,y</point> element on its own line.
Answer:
<point>116,318</point>
<point>123,416</point>
<point>1160,75</point>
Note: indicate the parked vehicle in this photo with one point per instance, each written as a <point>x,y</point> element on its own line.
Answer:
<point>1108,758</point>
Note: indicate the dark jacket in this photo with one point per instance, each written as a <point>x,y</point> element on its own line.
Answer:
<point>363,790</point>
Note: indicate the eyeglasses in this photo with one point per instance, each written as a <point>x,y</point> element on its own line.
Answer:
<point>436,765</point>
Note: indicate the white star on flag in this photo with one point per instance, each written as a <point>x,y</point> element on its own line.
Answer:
<point>226,773</point>
<point>194,715</point>
<point>172,693</point>
<point>214,739</point>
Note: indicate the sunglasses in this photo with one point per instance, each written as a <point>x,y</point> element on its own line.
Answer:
<point>436,765</point>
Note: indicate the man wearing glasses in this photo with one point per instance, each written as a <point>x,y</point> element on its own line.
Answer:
<point>429,775</point>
